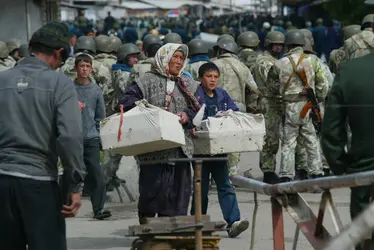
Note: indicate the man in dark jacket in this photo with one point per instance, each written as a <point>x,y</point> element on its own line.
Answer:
<point>351,99</point>
<point>40,120</point>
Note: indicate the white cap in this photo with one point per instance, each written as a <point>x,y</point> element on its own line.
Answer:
<point>266,25</point>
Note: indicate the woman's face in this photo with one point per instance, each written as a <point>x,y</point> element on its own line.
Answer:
<point>176,63</point>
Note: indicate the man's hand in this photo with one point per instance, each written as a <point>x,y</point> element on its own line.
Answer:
<point>72,210</point>
<point>183,117</point>
<point>193,132</point>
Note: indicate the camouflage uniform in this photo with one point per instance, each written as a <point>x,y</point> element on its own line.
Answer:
<point>360,44</point>
<point>248,57</point>
<point>10,62</point>
<point>106,59</point>
<point>337,56</point>
<point>236,79</point>
<point>4,52</point>
<point>293,125</point>
<point>248,42</point>
<point>140,69</point>
<point>199,55</point>
<point>193,68</point>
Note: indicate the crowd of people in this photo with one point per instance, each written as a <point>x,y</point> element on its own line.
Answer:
<point>57,89</point>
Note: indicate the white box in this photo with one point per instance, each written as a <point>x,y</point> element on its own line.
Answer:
<point>233,132</point>
<point>145,129</point>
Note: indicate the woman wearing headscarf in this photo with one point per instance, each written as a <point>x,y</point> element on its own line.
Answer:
<point>165,188</point>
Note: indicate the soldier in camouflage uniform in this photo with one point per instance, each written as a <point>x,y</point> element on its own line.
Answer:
<point>127,57</point>
<point>274,43</point>
<point>283,81</point>
<point>248,42</point>
<point>151,43</point>
<point>238,81</point>
<point>308,35</point>
<point>173,38</point>
<point>100,73</point>
<point>107,48</point>
<point>13,47</point>
<point>221,37</point>
<point>361,44</point>
<point>199,55</point>
<point>338,56</point>
<point>4,54</point>
<point>23,52</point>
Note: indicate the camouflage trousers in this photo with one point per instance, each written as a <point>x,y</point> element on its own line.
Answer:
<point>271,138</point>
<point>292,128</point>
<point>301,157</point>
<point>110,165</point>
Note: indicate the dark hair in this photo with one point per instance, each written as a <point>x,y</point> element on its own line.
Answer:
<point>207,67</point>
<point>41,48</point>
<point>83,58</point>
<point>152,50</point>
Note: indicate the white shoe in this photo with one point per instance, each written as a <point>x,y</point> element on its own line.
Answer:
<point>238,227</point>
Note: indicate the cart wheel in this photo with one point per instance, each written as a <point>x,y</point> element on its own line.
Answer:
<point>136,244</point>
<point>156,245</point>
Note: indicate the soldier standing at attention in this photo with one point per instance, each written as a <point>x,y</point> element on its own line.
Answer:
<point>238,81</point>
<point>362,43</point>
<point>274,44</point>
<point>283,80</point>
<point>248,42</point>
<point>199,56</point>
<point>127,57</point>
<point>40,121</point>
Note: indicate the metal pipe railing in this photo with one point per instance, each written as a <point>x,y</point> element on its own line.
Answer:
<point>325,183</point>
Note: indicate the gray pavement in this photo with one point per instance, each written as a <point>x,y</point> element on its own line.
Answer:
<point>84,233</point>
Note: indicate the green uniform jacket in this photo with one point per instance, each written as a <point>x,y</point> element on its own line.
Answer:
<point>351,99</point>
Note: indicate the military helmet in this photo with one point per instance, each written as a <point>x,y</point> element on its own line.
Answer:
<point>4,52</point>
<point>149,40</point>
<point>295,37</point>
<point>24,50</point>
<point>350,30</point>
<point>85,44</point>
<point>13,44</point>
<point>309,35</point>
<point>114,44</point>
<point>197,46</point>
<point>102,43</point>
<point>308,46</point>
<point>368,19</point>
<point>227,44</point>
<point>127,49</point>
<point>274,37</point>
<point>173,38</point>
<point>225,36</point>
<point>248,39</point>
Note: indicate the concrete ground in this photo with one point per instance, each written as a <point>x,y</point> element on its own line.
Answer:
<point>84,233</point>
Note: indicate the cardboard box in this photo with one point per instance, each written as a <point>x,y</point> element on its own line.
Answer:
<point>233,132</point>
<point>145,129</point>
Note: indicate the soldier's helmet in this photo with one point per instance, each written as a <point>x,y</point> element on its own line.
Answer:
<point>228,45</point>
<point>225,36</point>
<point>309,35</point>
<point>350,31</point>
<point>114,44</point>
<point>102,43</point>
<point>85,44</point>
<point>295,37</point>
<point>308,46</point>
<point>173,38</point>
<point>368,19</point>
<point>24,50</point>
<point>197,46</point>
<point>248,39</point>
<point>4,52</point>
<point>13,44</point>
<point>274,37</point>
<point>126,50</point>
<point>149,40</point>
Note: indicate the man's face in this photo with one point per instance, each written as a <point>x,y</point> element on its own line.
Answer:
<point>91,34</point>
<point>83,69</point>
<point>210,80</point>
<point>132,60</point>
<point>140,47</point>
<point>73,40</point>
<point>277,48</point>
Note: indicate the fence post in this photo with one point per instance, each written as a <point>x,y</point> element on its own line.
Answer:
<point>278,230</point>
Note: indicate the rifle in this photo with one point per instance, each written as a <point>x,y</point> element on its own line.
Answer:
<point>312,103</point>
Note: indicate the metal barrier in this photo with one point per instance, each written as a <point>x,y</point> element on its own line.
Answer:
<point>287,196</point>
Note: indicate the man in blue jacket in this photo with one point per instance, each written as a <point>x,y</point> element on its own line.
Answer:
<point>217,99</point>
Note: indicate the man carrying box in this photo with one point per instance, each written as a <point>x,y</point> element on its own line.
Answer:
<point>217,99</point>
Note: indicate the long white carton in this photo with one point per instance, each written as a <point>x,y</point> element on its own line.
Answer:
<point>230,132</point>
<point>145,129</point>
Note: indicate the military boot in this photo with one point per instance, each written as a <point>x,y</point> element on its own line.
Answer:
<point>270,178</point>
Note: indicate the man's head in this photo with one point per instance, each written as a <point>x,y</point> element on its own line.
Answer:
<point>128,54</point>
<point>83,66</point>
<point>209,75</point>
<point>151,43</point>
<point>274,42</point>
<point>295,38</point>
<point>51,44</point>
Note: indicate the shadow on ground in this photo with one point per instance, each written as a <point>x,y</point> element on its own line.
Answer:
<point>98,243</point>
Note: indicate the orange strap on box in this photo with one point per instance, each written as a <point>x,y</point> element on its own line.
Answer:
<point>120,124</point>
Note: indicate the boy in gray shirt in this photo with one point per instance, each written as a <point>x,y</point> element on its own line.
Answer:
<point>91,102</point>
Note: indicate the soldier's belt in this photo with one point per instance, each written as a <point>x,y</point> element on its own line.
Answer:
<point>295,98</point>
